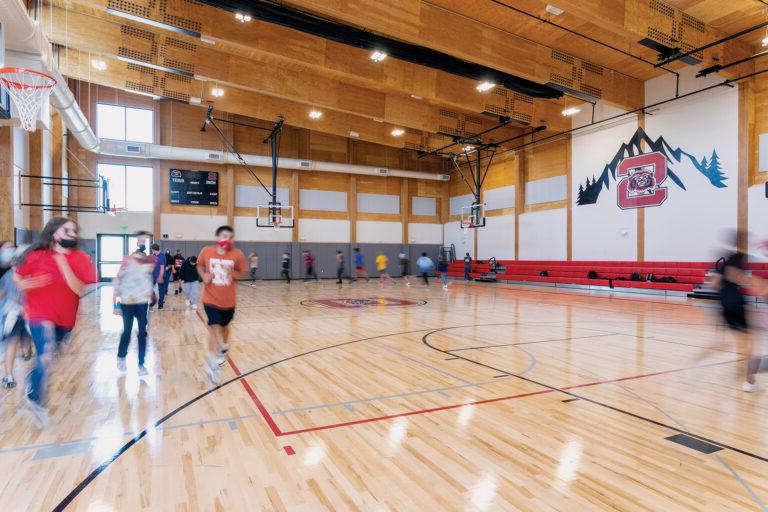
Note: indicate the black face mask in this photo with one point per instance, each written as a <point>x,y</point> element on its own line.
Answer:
<point>68,243</point>
<point>142,248</point>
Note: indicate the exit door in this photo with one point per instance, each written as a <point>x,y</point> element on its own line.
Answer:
<point>110,251</point>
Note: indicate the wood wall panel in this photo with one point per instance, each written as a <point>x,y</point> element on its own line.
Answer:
<point>548,160</point>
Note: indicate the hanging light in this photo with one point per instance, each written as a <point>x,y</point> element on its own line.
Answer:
<point>485,86</point>
<point>315,114</point>
<point>397,132</point>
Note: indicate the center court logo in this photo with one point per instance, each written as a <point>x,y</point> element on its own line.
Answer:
<point>363,302</point>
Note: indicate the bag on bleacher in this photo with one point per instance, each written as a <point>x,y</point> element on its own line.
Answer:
<point>649,278</point>
<point>634,277</point>
<point>543,273</point>
<point>592,274</point>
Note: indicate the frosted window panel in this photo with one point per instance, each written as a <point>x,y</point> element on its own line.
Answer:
<point>498,198</point>
<point>115,176</point>
<point>110,121</point>
<point>378,203</point>
<point>139,195</point>
<point>251,196</point>
<point>458,201</point>
<point>325,200</point>
<point>139,125</point>
<point>424,205</point>
<point>546,190</point>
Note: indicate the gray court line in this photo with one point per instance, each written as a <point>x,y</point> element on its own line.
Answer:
<point>744,484</point>
<point>533,342</point>
<point>425,365</point>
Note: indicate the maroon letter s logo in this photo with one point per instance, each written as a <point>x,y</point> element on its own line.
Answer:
<point>640,186</point>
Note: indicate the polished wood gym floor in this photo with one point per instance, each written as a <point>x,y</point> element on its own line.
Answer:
<point>486,397</point>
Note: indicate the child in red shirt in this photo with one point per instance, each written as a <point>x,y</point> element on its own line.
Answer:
<point>53,275</point>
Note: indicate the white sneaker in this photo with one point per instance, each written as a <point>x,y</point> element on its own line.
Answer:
<point>222,357</point>
<point>37,413</point>
<point>194,306</point>
<point>143,371</point>
<point>186,303</point>
<point>407,283</point>
<point>445,287</point>
<point>748,387</point>
<point>212,371</point>
<point>121,364</point>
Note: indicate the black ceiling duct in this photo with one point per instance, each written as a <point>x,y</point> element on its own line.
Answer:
<point>298,20</point>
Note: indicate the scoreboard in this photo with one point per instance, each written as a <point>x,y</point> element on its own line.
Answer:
<point>194,187</point>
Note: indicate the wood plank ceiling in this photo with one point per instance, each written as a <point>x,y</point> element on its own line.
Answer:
<point>182,50</point>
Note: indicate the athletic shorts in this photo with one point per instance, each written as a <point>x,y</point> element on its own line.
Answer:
<point>19,330</point>
<point>218,316</point>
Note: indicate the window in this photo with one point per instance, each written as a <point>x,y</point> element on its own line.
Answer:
<point>124,123</point>
<point>130,186</point>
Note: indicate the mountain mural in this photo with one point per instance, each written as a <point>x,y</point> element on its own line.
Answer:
<point>590,191</point>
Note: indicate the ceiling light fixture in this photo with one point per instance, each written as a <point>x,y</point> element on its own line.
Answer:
<point>485,86</point>
<point>468,149</point>
<point>398,132</point>
<point>551,9</point>
<point>378,56</point>
<point>99,64</point>
<point>217,92</point>
<point>315,114</point>
<point>353,134</point>
<point>416,97</point>
<point>571,111</point>
<point>242,18</point>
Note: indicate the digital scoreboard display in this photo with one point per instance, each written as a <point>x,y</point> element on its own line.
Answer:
<point>194,187</point>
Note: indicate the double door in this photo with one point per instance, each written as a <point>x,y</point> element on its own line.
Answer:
<point>110,251</point>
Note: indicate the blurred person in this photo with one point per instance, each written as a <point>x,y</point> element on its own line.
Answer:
<point>339,266</point>
<point>442,267</point>
<point>405,267</point>
<point>381,265</point>
<point>158,274</point>
<point>285,267</point>
<point>13,329</point>
<point>178,260</point>
<point>53,274</point>
<point>253,262</point>
<point>467,266</point>
<point>425,264</point>
<point>191,282</point>
<point>358,265</point>
<point>309,264</point>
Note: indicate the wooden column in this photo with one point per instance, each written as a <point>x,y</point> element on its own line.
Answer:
<point>641,211</point>
<point>294,194</point>
<point>405,208</point>
<point>445,206</point>
<point>230,184</point>
<point>746,160</point>
<point>352,208</point>
<point>569,198</point>
<point>522,162</point>
<point>35,184</point>
<point>6,184</point>
<point>56,156</point>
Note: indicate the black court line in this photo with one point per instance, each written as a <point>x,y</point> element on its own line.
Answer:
<point>425,341</point>
<point>569,400</point>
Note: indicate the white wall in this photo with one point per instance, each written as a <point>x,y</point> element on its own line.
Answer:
<point>121,223</point>
<point>20,186</point>
<point>247,231</point>
<point>190,227</point>
<point>323,230</point>
<point>758,222</point>
<point>497,238</point>
<point>601,231</point>
<point>453,234</point>
<point>543,235</point>
<point>689,225</point>
<point>421,233</point>
<point>376,232</point>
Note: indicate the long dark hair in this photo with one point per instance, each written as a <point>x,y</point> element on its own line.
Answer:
<point>46,241</point>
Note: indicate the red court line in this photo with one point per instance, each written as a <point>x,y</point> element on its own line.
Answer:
<point>263,410</point>
<point>289,450</point>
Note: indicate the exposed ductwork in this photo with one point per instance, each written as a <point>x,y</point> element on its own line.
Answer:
<point>158,152</point>
<point>25,37</point>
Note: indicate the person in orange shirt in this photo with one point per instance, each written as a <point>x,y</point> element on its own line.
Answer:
<point>219,267</point>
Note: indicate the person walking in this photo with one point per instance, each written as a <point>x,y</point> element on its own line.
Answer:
<point>467,266</point>
<point>381,266</point>
<point>309,263</point>
<point>178,260</point>
<point>359,264</point>
<point>339,266</point>
<point>253,262</point>
<point>53,274</point>
<point>159,275</point>
<point>13,329</point>
<point>425,265</point>
<point>405,267</point>
<point>442,267</point>
<point>285,267</point>
<point>133,292</point>
<point>191,282</point>
<point>220,266</point>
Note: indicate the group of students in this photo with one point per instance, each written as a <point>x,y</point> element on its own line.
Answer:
<point>424,263</point>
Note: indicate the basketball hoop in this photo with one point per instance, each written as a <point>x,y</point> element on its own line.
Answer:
<point>276,224</point>
<point>28,89</point>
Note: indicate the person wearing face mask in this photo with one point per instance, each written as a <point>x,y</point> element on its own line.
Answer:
<point>13,330</point>
<point>53,274</point>
<point>219,266</point>
<point>159,275</point>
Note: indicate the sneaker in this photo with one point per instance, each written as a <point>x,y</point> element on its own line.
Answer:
<point>143,371</point>
<point>8,382</point>
<point>194,306</point>
<point>222,357</point>
<point>121,364</point>
<point>212,371</point>
<point>407,283</point>
<point>161,306</point>
<point>445,287</point>
<point>749,387</point>
<point>37,413</point>
<point>186,303</point>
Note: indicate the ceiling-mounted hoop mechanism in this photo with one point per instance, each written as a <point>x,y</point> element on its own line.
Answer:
<point>99,184</point>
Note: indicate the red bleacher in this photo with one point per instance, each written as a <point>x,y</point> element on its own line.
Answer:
<point>688,275</point>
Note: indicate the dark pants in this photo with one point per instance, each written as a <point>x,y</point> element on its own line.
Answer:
<point>467,270</point>
<point>311,273</point>
<point>425,276</point>
<point>339,273</point>
<point>286,274</point>
<point>163,291</point>
<point>45,335</point>
<point>139,312</point>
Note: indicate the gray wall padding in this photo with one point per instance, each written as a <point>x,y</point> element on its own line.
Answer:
<point>424,206</point>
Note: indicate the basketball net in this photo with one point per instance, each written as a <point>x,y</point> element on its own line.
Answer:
<point>27,89</point>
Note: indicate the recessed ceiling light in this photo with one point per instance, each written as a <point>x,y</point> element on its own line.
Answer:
<point>417,97</point>
<point>315,114</point>
<point>242,18</point>
<point>378,119</point>
<point>378,56</point>
<point>99,64</point>
<point>468,149</point>
<point>485,86</point>
<point>571,111</point>
<point>765,41</point>
<point>398,132</point>
<point>218,92</point>
<point>551,9</point>
<point>353,134</point>
<point>194,100</point>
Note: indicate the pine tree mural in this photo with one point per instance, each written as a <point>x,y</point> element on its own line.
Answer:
<point>714,172</point>
<point>580,195</point>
